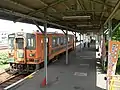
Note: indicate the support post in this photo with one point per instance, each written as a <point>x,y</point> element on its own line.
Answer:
<point>110,29</point>
<point>80,42</point>
<point>45,52</point>
<point>75,40</point>
<point>63,31</point>
<point>38,26</point>
<point>110,34</point>
<point>66,46</point>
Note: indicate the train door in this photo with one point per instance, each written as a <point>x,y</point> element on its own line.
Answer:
<point>19,46</point>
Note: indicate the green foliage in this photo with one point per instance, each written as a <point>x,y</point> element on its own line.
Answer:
<point>116,36</point>
<point>118,64</point>
<point>3,58</point>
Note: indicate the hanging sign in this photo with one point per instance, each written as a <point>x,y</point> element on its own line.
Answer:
<point>112,60</point>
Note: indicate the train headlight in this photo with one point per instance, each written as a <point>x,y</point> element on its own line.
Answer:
<point>21,55</point>
<point>31,55</point>
<point>11,54</point>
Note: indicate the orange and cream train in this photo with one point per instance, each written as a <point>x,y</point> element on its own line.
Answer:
<point>26,50</point>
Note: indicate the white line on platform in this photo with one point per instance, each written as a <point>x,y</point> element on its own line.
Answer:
<point>84,64</point>
<point>80,74</point>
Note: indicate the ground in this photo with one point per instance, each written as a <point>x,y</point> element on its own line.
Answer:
<point>79,74</point>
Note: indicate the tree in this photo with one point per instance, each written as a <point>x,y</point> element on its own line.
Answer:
<point>116,36</point>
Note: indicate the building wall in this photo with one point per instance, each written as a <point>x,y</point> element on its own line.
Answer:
<point>4,38</point>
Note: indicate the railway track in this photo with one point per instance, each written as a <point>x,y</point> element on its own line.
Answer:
<point>6,71</point>
<point>7,78</point>
<point>4,76</point>
<point>12,79</point>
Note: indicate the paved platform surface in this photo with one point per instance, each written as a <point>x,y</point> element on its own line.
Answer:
<point>80,74</point>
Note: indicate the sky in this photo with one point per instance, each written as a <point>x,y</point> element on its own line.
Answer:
<point>10,27</point>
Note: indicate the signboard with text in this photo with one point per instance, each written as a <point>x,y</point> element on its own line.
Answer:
<point>112,60</point>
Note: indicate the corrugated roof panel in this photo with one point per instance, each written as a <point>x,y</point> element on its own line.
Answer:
<point>49,1</point>
<point>14,7</point>
<point>60,8</point>
<point>87,4</point>
<point>112,2</point>
<point>117,15</point>
<point>35,4</point>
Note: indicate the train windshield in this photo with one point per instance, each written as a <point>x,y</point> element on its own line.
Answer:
<point>20,43</point>
<point>11,41</point>
<point>31,42</point>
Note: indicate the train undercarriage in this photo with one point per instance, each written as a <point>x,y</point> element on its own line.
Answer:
<point>24,68</point>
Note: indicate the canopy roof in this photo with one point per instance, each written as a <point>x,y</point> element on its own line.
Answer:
<point>56,12</point>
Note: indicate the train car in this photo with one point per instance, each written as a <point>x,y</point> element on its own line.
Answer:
<point>26,50</point>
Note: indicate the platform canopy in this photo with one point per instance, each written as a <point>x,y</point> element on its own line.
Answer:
<point>74,15</point>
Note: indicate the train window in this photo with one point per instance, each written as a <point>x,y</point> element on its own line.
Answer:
<point>20,43</point>
<point>62,40</point>
<point>11,42</point>
<point>53,41</point>
<point>58,40</point>
<point>71,38</point>
<point>31,42</point>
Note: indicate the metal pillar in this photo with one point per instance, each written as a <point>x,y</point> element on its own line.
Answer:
<point>45,51</point>
<point>80,42</point>
<point>66,46</point>
<point>110,29</point>
<point>75,40</point>
<point>38,26</point>
<point>110,34</point>
<point>84,40</point>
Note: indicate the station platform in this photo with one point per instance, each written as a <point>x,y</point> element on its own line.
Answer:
<point>79,74</point>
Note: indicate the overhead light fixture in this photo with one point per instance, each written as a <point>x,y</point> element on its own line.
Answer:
<point>76,17</point>
<point>84,25</point>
